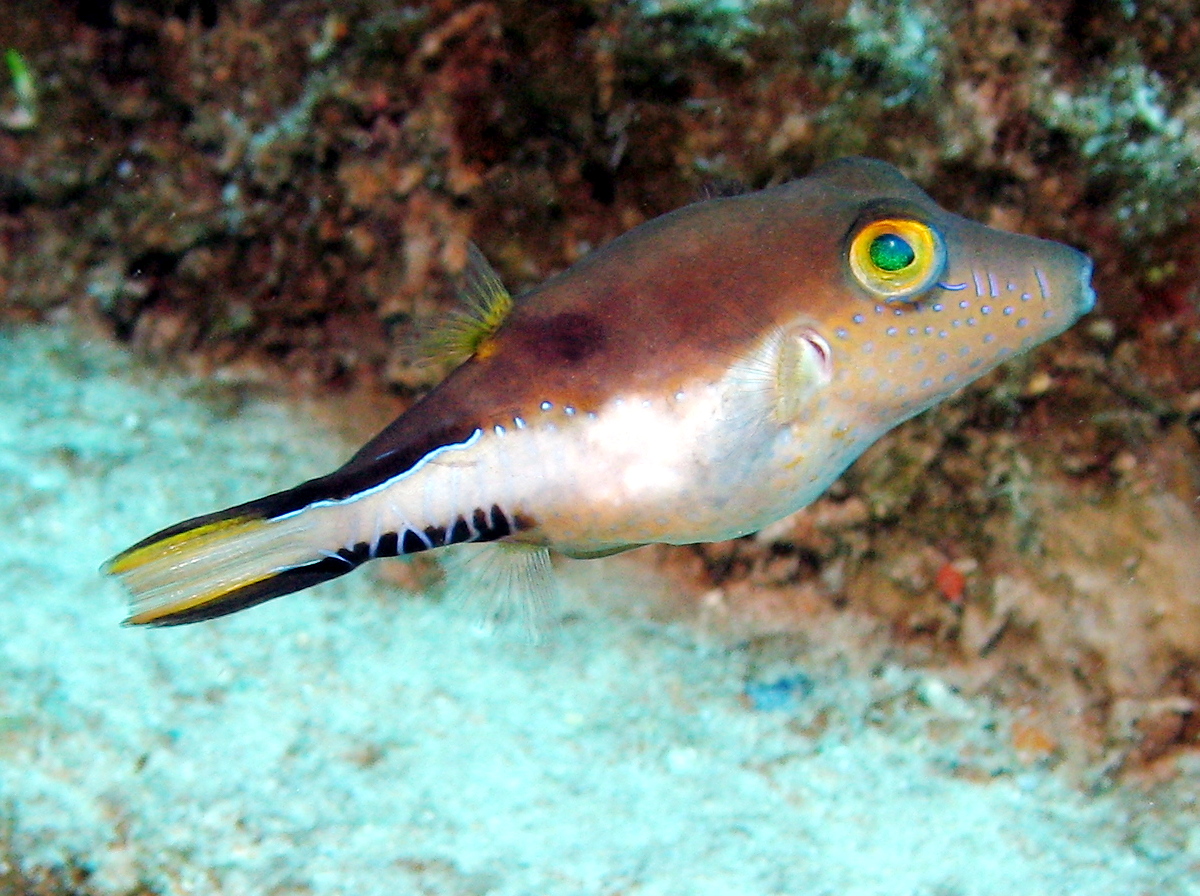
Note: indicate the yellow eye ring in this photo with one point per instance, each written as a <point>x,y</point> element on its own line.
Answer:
<point>897,258</point>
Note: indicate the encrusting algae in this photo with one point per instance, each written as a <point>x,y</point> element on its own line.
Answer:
<point>696,379</point>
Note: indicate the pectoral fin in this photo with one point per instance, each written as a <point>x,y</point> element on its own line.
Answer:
<point>803,366</point>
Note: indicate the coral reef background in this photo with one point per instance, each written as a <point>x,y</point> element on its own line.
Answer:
<point>276,199</point>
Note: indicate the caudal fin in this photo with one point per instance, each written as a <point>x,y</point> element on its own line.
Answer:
<point>221,563</point>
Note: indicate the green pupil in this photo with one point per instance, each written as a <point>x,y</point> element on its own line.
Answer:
<point>891,252</point>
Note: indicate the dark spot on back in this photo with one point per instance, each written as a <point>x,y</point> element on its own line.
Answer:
<point>570,336</point>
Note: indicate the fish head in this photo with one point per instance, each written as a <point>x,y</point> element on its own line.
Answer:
<point>919,301</point>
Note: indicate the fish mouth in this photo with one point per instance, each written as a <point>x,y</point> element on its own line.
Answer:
<point>1087,295</point>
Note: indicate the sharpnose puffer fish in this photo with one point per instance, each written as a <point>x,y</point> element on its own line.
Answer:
<point>696,379</point>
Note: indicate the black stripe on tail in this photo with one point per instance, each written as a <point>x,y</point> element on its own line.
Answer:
<point>285,582</point>
<point>482,526</point>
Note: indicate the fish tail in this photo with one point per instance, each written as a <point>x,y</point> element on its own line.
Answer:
<point>223,562</point>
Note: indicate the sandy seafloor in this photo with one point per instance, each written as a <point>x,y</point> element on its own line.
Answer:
<point>356,739</point>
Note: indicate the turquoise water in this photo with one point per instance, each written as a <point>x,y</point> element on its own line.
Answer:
<point>360,739</point>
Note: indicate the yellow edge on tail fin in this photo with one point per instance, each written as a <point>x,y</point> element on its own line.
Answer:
<point>144,553</point>
<point>161,614</point>
<point>217,567</point>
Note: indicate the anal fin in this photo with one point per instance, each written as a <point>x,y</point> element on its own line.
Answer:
<point>502,583</point>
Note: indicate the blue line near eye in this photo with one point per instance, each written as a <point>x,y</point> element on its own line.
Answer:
<point>1042,284</point>
<point>953,287</point>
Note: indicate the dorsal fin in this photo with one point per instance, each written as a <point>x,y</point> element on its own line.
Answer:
<point>484,304</point>
<point>722,188</point>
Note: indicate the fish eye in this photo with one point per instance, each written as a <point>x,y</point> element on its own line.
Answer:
<point>897,258</point>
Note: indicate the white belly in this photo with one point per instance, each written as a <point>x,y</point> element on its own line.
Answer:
<point>709,462</point>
